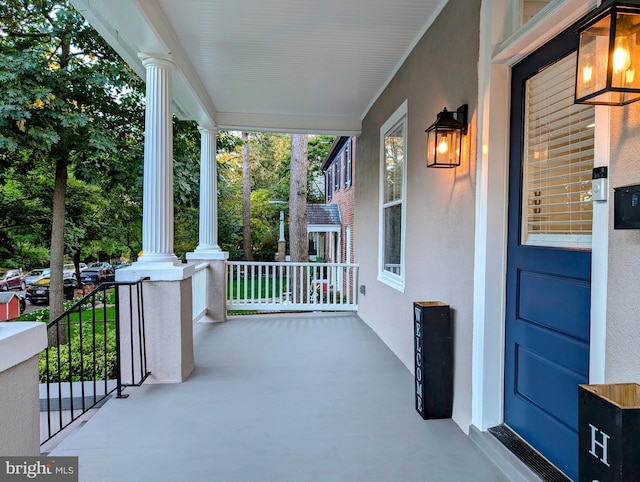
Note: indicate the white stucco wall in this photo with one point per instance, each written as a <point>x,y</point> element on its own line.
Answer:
<point>440,72</point>
<point>623,290</point>
<point>19,406</point>
<point>20,345</point>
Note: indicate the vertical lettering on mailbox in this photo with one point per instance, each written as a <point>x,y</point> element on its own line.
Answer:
<point>418,361</point>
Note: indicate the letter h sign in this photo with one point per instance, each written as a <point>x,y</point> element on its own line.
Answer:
<point>609,432</point>
<point>599,445</point>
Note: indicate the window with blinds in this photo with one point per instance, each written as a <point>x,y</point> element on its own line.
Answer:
<point>558,160</point>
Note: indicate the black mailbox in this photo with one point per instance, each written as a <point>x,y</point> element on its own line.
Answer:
<point>626,207</point>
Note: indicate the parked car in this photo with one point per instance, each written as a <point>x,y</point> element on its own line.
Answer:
<point>23,303</point>
<point>100,265</point>
<point>38,292</point>
<point>69,269</point>
<point>96,275</point>
<point>12,279</point>
<point>35,274</point>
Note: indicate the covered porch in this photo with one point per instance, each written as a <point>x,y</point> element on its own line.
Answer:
<point>296,397</point>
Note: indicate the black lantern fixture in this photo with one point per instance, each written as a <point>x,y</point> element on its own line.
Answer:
<point>608,70</point>
<point>444,138</point>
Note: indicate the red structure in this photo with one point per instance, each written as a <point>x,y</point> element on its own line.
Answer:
<point>9,306</point>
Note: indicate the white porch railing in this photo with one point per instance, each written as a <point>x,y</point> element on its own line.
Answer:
<point>199,291</point>
<point>292,286</point>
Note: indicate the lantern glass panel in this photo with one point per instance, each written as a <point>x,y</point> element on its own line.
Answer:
<point>431,147</point>
<point>625,63</point>
<point>594,58</point>
<point>444,148</point>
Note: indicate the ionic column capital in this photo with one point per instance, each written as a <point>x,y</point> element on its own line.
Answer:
<point>156,60</point>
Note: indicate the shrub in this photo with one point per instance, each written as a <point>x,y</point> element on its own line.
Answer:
<point>81,366</point>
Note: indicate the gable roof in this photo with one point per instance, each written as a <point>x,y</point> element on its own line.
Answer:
<point>324,214</point>
<point>6,297</point>
<point>333,150</point>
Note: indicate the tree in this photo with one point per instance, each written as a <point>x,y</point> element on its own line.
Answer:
<point>68,101</point>
<point>246,199</point>
<point>298,238</point>
<point>318,148</point>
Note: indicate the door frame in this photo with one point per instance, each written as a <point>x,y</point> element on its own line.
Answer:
<point>492,197</point>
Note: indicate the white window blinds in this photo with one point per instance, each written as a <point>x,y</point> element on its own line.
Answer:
<point>558,160</point>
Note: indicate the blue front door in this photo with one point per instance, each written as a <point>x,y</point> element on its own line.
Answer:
<point>549,258</point>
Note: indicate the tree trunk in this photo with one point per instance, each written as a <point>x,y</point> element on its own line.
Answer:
<point>76,263</point>
<point>56,292</point>
<point>298,242</point>
<point>246,198</point>
<point>298,238</point>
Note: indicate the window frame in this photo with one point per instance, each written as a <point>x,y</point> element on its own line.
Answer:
<point>573,239</point>
<point>394,280</point>
<point>347,163</point>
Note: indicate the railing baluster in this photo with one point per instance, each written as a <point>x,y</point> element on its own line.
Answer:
<point>287,286</point>
<point>283,289</point>
<point>87,377</point>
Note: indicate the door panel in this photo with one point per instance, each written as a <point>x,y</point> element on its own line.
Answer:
<point>548,297</point>
<point>573,295</point>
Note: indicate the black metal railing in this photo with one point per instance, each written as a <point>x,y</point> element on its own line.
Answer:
<point>96,347</point>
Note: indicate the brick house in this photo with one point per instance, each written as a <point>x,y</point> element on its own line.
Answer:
<point>339,169</point>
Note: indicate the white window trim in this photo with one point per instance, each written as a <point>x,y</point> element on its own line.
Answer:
<point>493,136</point>
<point>393,280</point>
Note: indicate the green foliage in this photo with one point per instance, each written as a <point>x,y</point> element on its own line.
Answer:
<point>85,358</point>
<point>68,99</point>
<point>186,230</point>
<point>41,314</point>
<point>318,148</point>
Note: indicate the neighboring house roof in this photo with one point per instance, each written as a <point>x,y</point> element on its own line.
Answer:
<point>323,214</point>
<point>6,297</point>
<point>335,148</point>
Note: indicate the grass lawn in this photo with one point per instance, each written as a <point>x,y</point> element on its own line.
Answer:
<point>266,288</point>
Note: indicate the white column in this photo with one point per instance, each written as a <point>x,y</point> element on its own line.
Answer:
<point>281,237</point>
<point>347,258</point>
<point>157,214</point>
<point>208,239</point>
<point>208,249</point>
<point>167,293</point>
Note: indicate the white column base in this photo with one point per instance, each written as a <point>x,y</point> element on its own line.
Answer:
<point>168,315</point>
<point>168,331</point>
<point>155,271</point>
<point>207,254</point>
<point>158,258</point>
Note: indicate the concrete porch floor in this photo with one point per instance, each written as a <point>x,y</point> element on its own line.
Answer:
<point>298,397</point>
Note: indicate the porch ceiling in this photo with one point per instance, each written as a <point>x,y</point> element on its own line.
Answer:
<point>282,65</point>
